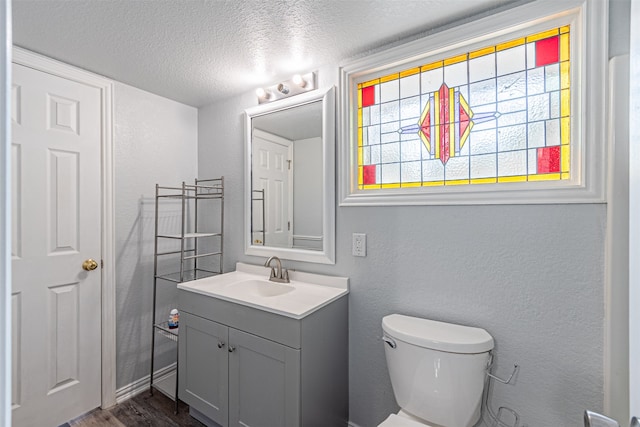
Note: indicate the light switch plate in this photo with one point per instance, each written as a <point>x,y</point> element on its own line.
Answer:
<point>359,244</point>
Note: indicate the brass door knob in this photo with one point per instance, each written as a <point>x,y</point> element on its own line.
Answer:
<point>89,264</point>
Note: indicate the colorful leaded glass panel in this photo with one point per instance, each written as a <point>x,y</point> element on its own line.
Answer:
<point>497,114</point>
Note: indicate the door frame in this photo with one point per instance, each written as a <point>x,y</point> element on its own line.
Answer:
<point>108,294</point>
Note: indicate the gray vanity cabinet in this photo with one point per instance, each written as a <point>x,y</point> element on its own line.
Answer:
<point>204,360</point>
<point>242,366</point>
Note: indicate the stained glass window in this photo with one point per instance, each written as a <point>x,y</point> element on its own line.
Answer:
<point>492,115</point>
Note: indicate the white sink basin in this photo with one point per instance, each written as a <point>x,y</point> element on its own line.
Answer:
<point>260,288</point>
<point>249,285</point>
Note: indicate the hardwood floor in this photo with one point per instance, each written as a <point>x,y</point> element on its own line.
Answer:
<point>141,410</point>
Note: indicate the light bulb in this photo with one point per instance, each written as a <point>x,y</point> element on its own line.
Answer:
<point>297,79</point>
<point>261,92</point>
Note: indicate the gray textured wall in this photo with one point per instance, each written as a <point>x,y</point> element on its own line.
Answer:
<point>155,141</point>
<point>532,275</point>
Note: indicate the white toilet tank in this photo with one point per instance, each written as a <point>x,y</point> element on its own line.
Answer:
<point>437,369</point>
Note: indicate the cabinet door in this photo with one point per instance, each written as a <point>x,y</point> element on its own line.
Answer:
<point>203,366</point>
<point>264,382</point>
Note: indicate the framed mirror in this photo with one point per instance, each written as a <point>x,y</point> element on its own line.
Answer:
<point>290,178</point>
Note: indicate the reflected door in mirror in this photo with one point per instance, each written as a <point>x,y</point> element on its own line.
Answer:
<point>272,173</point>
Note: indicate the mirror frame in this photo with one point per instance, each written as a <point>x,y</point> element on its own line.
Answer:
<point>327,254</point>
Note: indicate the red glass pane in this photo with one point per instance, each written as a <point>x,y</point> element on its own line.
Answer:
<point>368,96</point>
<point>547,51</point>
<point>549,159</point>
<point>369,174</point>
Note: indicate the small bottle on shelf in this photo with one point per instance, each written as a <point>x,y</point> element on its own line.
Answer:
<point>174,318</point>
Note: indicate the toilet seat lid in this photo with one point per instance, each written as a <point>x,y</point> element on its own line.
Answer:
<point>394,420</point>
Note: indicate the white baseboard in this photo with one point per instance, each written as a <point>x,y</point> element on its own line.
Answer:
<point>138,386</point>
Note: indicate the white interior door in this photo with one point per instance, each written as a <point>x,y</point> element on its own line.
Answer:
<point>271,173</point>
<point>56,305</point>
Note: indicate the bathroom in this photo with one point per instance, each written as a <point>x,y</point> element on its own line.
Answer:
<point>532,275</point>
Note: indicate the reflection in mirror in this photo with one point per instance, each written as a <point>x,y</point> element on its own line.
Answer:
<point>290,178</point>
<point>286,178</point>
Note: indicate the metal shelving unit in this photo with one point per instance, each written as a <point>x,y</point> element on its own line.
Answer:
<point>194,249</point>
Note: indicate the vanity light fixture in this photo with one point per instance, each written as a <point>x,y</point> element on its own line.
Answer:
<point>300,83</point>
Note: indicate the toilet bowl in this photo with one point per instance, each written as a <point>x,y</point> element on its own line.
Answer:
<point>437,371</point>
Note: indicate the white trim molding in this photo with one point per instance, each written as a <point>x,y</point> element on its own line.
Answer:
<point>143,384</point>
<point>588,73</point>
<point>105,86</point>
<point>5,215</point>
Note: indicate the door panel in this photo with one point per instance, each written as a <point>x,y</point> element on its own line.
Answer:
<point>271,173</point>
<point>56,148</point>
<point>203,365</point>
<point>264,382</point>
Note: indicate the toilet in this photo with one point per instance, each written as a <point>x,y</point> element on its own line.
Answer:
<point>437,371</point>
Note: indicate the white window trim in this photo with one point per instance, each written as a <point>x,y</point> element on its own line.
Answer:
<point>589,50</point>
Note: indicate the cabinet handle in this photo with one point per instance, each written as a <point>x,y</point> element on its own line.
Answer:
<point>231,348</point>
<point>220,344</point>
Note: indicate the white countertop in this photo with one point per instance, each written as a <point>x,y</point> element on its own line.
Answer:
<point>306,292</point>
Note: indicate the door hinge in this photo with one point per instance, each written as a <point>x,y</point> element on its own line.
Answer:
<point>289,164</point>
<point>288,225</point>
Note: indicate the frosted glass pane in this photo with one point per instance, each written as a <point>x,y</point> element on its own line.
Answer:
<point>411,172</point>
<point>554,105</point>
<point>390,173</point>
<point>366,155</point>
<point>552,77</point>
<point>510,60</point>
<point>457,168</point>
<point>374,111</point>
<point>431,80</point>
<point>483,92</point>
<point>483,166</point>
<point>374,135</point>
<point>533,161</point>
<point>390,152</point>
<point>512,86</point>
<point>390,112</point>
<point>389,91</point>
<point>553,132</point>
<point>512,105</point>
<point>432,170</point>
<point>411,150</point>
<point>389,137</point>
<point>410,86</point>
<point>539,107</point>
<point>512,138</point>
<point>456,74</point>
<point>391,127</point>
<point>483,142</point>
<point>410,108</point>
<point>375,154</point>
<point>512,163</point>
<point>535,81</point>
<point>531,55</point>
<point>512,119</point>
<point>365,116</point>
<point>482,68</point>
<point>536,134</point>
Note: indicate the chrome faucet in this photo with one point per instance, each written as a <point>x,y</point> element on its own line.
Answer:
<point>278,274</point>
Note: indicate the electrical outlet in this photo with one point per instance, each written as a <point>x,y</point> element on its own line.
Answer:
<point>359,244</point>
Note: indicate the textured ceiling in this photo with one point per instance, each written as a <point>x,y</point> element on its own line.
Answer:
<point>200,51</point>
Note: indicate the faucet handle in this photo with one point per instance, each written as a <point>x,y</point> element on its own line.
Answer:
<point>285,275</point>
